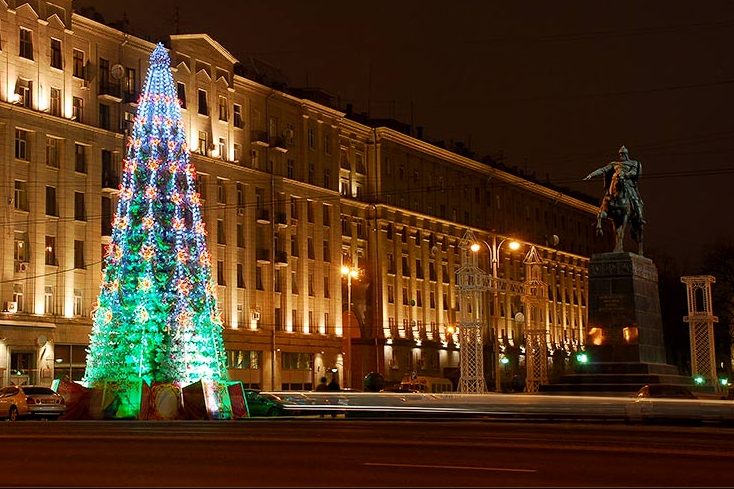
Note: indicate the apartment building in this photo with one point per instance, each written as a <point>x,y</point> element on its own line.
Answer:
<point>291,190</point>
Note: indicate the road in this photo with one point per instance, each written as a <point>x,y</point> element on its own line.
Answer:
<point>341,452</point>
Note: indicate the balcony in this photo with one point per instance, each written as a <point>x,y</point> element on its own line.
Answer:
<point>263,255</point>
<point>278,144</point>
<point>263,216</point>
<point>281,259</point>
<point>281,220</point>
<point>259,138</point>
<point>110,183</point>
<point>131,97</point>
<point>110,91</point>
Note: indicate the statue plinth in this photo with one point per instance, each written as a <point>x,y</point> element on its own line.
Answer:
<point>624,323</point>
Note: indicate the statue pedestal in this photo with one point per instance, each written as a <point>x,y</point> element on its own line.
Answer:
<point>624,332</point>
<point>624,321</point>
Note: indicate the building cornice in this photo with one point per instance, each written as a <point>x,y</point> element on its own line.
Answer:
<point>444,154</point>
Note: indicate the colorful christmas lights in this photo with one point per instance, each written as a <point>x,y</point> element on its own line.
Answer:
<point>157,319</point>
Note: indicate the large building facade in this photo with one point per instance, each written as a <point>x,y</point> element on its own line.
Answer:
<point>291,191</point>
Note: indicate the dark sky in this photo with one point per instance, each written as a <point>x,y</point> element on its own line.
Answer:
<point>553,87</point>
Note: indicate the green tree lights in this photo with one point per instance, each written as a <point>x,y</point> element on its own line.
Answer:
<point>157,318</point>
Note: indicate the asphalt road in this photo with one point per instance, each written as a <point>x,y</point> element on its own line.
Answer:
<point>340,452</point>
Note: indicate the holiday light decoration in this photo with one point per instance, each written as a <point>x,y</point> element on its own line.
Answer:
<point>157,318</point>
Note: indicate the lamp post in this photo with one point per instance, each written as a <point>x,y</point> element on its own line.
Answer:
<point>350,272</point>
<point>494,251</point>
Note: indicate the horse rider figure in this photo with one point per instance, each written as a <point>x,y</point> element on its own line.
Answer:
<point>620,179</point>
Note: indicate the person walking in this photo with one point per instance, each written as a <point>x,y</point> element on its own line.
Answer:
<point>322,385</point>
<point>333,385</point>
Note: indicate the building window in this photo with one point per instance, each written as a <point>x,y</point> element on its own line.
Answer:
<point>26,44</point>
<point>419,298</point>
<point>78,302</point>
<point>432,299</point>
<point>240,194</point>
<point>78,69</point>
<point>50,250</point>
<point>203,142</point>
<point>360,163</point>
<point>259,278</point>
<point>243,359</point>
<point>327,251</point>
<point>327,294</point>
<point>80,158</point>
<point>53,152</point>
<point>104,116</point>
<point>20,197</point>
<point>131,82</point>
<point>240,276</point>
<point>237,152</point>
<point>294,283</point>
<point>222,148</point>
<point>77,109</point>
<point>296,360</point>
<point>18,297</point>
<point>327,144</point>
<point>294,245</point>
<point>311,138</point>
<point>237,115</point>
<point>390,294</point>
<point>221,192</point>
<point>406,268</point>
<point>79,254</point>
<point>310,284</point>
<point>310,249</point>
<point>220,232</point>
<point>240,235</point>
<point>48,300</point>
<point>309,210</point>
<point>79,211</point>
<point>223,112</point>
<point>51,207</point>
<point>54,103</point>
<point>277,281</point>
<point>294,208</point>
<point>291,171</point>
<point>344,187</point>
<point>405,296</point>
<point>203,108</point>
<point>327,178</point>
<point>181,91</point>
<point>24,91</point>
<point>56,54</point>
<point>220,272</point>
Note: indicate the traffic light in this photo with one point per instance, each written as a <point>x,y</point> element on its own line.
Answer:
<point>699,380</point>
<point>582,357</point>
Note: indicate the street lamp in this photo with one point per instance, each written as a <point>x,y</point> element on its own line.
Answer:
<point>494,254</point>
<point>350,273</point>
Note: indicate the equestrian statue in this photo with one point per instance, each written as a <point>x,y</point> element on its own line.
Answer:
<point>621,201</point>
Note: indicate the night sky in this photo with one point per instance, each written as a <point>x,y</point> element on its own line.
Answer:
<point>554,88</point>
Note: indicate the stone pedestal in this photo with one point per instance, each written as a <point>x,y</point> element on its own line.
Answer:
<point>624,322</point>
<point>624,332</point>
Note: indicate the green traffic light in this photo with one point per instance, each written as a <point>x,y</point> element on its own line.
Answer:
<point>724,381</point>
<point>699,380</point>
<point>582,358</point>
<point>504,360</point>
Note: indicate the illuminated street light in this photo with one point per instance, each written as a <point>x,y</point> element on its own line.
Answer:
<point>494,252</point>
<point>350,272</point>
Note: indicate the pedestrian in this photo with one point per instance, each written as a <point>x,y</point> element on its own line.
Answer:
<point>333,385</point>
<point>322,385</point>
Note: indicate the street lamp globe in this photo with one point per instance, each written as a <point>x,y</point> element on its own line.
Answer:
<point>474,247</point>
<point>514,245</point>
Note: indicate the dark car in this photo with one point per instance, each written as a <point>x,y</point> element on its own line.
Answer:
<point>665,391</point>
<point>263,404</point>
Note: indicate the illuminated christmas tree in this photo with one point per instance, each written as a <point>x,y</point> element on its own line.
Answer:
<point>157,318</point>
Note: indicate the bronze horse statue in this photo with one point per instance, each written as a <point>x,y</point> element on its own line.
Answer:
<point>621,202</point>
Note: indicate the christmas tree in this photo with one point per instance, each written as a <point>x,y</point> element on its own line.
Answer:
<point>157,318</point>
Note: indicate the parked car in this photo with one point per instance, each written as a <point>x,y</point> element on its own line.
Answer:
<point>28,400</point>
<point>665,391</point>
<point>263,404</point>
